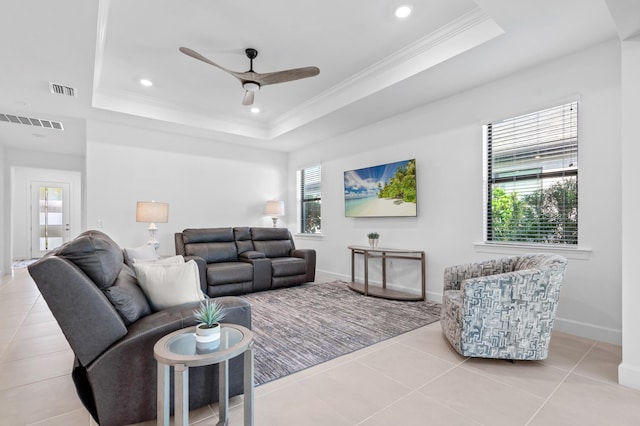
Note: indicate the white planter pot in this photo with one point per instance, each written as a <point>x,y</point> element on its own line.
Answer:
<point>208,335</point>
<point>373,242</point>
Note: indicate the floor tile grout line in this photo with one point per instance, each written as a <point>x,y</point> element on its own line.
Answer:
<point>19,326</point>
<point>411,391</point>
<point>548,398</point>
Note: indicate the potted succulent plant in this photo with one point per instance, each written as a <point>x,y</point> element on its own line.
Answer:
<point>373,239</point>
<point>209,315</point>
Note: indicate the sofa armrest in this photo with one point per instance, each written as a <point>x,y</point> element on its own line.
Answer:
<point>309,255</point>
<point>261,270</point>
<point>455,275</point>
<point>248,255</point>
<point>88,320</point>
<point>202,269</point>
<point>123,378</point>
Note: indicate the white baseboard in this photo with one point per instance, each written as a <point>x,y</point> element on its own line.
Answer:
<point>576,328</point>
<point>629,375</point>
<point>589,331</point>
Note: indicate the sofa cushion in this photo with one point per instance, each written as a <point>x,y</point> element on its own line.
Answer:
<point>275,248</point>
<point>229,272</point>
<point>242,236</point>
<point>213,252</point>
<point>287,266</point>
<point>207,235</point>
<point>97,255</point>
<point>127,297</point>
<point>169,284</point>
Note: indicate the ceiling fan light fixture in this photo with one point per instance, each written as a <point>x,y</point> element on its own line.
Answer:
<point>252,87</point>
<point>403,11</point>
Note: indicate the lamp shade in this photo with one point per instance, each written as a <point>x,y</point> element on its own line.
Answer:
<point>274,208</point>
<point>152,212</point>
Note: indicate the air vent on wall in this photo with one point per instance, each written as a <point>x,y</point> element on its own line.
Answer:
<point>8,118</point>
<point>59,89</point>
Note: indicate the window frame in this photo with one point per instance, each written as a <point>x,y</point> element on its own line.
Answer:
<point>543,176</point>
<point>301,201</point>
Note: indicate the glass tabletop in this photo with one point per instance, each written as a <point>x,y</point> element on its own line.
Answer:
<point>185,343</point>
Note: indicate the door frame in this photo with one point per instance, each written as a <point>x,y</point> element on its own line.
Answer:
<point>35,187</point>
<point>21,179</point>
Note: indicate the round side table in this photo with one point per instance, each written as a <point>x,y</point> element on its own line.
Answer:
<point>180,351</point>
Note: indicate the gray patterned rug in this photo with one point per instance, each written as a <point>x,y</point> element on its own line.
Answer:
<point>299,327</point>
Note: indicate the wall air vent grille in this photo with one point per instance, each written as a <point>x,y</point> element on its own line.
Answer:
<point>59,89</point>
<point>38,122</point>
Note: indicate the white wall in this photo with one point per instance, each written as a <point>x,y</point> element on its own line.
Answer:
<point>5,265</point>
<point>629,370</point>
<point>207,184</point>
<point>445,138</point>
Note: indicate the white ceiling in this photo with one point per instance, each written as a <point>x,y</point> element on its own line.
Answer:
<point>372,65</point>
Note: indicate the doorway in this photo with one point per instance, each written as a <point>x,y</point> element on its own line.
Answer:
<point>45,210</point>
<point>50,221</point>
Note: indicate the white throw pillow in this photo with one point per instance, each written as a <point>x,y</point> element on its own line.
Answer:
<point>167,284</point>
<point>173,260</point>
<point>146,252</point>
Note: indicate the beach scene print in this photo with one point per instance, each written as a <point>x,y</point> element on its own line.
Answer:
<point>384,190</point>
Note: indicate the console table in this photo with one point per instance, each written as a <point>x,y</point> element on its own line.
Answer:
<point>384,254</point>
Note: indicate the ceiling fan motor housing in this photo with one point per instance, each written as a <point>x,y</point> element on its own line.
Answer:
<point>251,86</point>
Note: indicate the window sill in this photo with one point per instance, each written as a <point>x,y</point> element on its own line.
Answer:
<point>309,236</point>
<point>578,253</point>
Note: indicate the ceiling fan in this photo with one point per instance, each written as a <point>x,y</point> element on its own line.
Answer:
<point>251,80</point>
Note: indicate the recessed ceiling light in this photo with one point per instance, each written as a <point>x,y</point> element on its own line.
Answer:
<point>403,11</point>
<point>255,110</point>
<point>145,82</point>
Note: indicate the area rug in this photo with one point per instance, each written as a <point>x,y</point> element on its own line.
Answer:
<point>299,327</point>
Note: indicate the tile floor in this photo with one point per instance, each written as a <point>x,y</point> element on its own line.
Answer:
<point>413,379</point>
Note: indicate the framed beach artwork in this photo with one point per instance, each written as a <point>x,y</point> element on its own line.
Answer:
<point>387,190</point>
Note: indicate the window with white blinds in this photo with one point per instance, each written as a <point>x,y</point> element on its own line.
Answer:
<point>532,175</point>
<point>309,200</point>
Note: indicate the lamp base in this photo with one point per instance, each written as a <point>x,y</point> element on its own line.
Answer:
<point>275,221</point>
<point>153,241</point>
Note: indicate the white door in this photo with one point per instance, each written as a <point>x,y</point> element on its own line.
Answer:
<point>49,216</point>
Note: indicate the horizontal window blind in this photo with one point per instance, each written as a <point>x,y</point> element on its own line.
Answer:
<point>532,175</point>
<point>310,199</point>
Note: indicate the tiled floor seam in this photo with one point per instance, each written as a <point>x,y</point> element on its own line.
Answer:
<point>548,398</point>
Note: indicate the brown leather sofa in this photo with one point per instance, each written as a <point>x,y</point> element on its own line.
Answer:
<point>105,317</point>
<point>240,260</point>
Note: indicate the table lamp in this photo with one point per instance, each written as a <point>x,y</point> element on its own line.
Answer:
<point>152,213</point>
<point>274,208</point>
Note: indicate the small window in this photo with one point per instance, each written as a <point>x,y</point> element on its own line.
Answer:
<point>532,177</point>
<point>309,200</point>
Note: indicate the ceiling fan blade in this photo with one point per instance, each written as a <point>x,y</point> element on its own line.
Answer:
<point>248,98</point>
<point>196,55</point>
<point>284,76</point>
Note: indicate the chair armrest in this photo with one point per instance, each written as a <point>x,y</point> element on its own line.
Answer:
<point>455,275</point>
<point>202,269</point>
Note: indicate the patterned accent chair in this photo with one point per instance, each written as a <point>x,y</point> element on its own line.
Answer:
<point>502,308</point>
